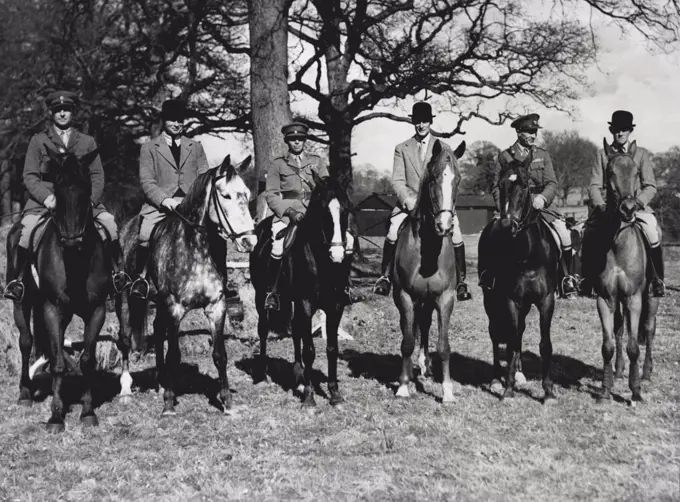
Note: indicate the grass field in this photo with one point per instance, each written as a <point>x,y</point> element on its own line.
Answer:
<point>373,447</point>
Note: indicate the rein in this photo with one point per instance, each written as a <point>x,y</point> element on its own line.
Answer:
<point>78,235</point>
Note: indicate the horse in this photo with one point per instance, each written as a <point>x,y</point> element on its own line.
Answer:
<point>424,269</point>
<point>187,269</point>
<point>523,256</point>
<point>313,277</point>
<point>70,275</point>
<point>624,302</point>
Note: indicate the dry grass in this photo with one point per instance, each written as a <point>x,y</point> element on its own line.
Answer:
<point>374,447</point>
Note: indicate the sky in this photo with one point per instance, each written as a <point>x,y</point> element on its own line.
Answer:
<point>628,76</point>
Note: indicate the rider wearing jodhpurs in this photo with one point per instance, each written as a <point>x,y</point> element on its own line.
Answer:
<point>168,165</point>
<point>544,190</point>
<point>410,161</point>
<point>60,136</point>
<point>288,189</point>
<point>594,249</point>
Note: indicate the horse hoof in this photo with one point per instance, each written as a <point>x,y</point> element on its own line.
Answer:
<point>402,391</point>
<point>603,398</point>
<point>125,399</point>
<point>636,399</point>
<point>496,386</point>
<point>618,375</point>
<point>508,394</point>
<point>90,420</point>
<point>646,377</point>
<point>336,399</point>
<point>55,427</point>
<point>25,402</point>
<point>549,399</point>
<point>169,413</point>
<point>300,388</point>
<point>520,379</point>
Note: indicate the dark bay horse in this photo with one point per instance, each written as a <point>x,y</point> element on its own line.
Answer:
<point>624,302</point>
<point>424,270</point>
<point>70,275</point>
<point>187,269</point>
<point>314,278</point>
<point>523,257</point>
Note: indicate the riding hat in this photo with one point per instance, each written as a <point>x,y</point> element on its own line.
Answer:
<point>421,112</point>
<point>61,99</point>
<point>295,130</point>
<point>173,109</point>
<point>622,120</point>
<point>526,122</point>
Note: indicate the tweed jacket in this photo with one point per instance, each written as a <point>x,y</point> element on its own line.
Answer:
<point>159,174</point>
<point>645,186</point>
<point>37,174</point>
<point>407,169</point>
<point>541,172</point>
<point>291,186</point>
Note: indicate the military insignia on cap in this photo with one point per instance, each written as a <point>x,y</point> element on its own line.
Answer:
<point>526,122</point>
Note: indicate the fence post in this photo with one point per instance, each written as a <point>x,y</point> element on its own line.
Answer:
<point>5,193</point>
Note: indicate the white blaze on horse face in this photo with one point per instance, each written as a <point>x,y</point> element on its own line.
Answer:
<point>337,249</point>
<point>233,196</point>
<point>446,217</point>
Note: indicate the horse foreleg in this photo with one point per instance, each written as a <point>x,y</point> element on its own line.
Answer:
<point>298,368</point>
<point>160,329</point>
<point>216,313</point>
<point>124,344</point>
<point>647,333</point>
<point>53,327</point>
<point>260,369</point>
<point>302,328</point>
<point>633,309</point>
<point>172,316</point>
<point>93,326</point>
<point>444,310</point>
<point>546,310</point>
<point>407,324</point>
<point>605,309</point>
<point>514,346</point>
<point>22,315</point>
<point>620,363</point>
<point>423,322</point>
<point>333,316</point>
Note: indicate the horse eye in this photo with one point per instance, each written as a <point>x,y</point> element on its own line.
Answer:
<point>228,196</point>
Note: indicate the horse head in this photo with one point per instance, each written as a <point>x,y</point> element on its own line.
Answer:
<point>72,190</point>
<point>329,213</point>
<point>515,197</point>
<point>228,205</point>
<point>622,174</point>
<point>440,187</point>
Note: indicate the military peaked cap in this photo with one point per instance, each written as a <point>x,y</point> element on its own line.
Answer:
<point>61,99</point>
<point>295,130</point>
<point>526,122</point>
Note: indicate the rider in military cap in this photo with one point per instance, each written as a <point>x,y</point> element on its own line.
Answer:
<point>544,190</point>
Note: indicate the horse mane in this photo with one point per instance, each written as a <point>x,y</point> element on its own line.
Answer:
<point>192,206</point>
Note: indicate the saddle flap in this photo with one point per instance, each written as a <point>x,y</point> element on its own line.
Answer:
<point>289,238</point>
<point>37,233</point>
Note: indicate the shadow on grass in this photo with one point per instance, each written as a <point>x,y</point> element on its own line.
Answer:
<point>280,371</point>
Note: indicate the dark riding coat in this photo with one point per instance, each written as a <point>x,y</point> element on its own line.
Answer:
<point>38,177</point>
<point>291,186</point>
<point>541,174</point>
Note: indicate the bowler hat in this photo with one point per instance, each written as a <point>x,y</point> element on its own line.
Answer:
<point>421,112</point>
<point>526,122</point>
<point>295,130</point>
<point>61,99</point>
<point>173,109</point>
<point>622,120</point>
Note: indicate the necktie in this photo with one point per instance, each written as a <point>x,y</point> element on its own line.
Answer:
<point>298,160</point>
<point>421,151</point>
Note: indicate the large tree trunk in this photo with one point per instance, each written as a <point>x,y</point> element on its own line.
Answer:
<point>269,100</point>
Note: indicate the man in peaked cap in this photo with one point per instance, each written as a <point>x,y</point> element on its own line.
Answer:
<point>544,190</point>
<point>410,161</point>
<point>289,185</point>
<point>168,165</point>
<point>621,127</point>
<point>61,136</point>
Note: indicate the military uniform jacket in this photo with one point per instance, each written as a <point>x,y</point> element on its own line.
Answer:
<point>38,177</point>
<point>645,186</point>
<point>541,172</point>
<point>159,174</point>
<point>291,186</point>
<point>407,169</point>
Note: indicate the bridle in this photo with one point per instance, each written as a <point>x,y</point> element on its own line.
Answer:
<point>435,212</point>
<point>620,201</point>
<point>75,237</point>
<point>520,223</point>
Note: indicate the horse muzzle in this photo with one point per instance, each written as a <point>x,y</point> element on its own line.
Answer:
<point>246,243</point>
<point>443,223</point>
<point>71,242</point>
<point>627,209</point>
<point>337,252</point>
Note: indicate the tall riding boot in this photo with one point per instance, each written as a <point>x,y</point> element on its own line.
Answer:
<point>15,289</point>
<point>585,287</point>
<point>569,286</point>
<point>271,301</point>
<point>140,287</point>
<point>462,291</point>
<point>657,285</point>
<point>383,285</point>
<point>485,263</point>
<point>119,278</point>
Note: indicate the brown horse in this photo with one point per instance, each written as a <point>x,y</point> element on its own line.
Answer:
<point>424,269</point>
<point>623,299</point>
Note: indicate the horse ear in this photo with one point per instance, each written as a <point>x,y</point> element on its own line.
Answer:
<point>460,149</point>
<point>436,148</point>
<point>225,168</point>
<point>633,148</point>
<point>608,151</point>
<point>318,180</point>
<point>244,165</point>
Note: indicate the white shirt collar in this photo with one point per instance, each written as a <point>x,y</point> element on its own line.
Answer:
<point>167,138</point>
